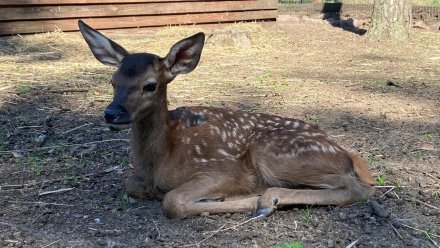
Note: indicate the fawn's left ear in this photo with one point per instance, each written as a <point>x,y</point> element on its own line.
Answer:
<point>105,50</point>
<point>185,54</point>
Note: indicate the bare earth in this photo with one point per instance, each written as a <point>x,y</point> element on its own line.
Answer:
<point>378,99</point>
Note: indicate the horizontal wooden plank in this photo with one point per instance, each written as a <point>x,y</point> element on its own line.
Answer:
<point>101,10</point>
<point>26,27</point>
<point>64,2</point>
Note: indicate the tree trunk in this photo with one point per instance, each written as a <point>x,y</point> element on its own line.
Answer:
<point>391,19</point>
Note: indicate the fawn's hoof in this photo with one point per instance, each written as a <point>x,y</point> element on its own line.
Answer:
<point>264,209</point>
<point>136,187</point>
<point>263,212</point>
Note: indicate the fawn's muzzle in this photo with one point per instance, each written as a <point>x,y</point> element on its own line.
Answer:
<point>116,117</point>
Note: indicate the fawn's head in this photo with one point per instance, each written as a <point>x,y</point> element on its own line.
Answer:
<point>140,81</point>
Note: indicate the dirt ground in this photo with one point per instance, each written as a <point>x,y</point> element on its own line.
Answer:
<point>61,169</point>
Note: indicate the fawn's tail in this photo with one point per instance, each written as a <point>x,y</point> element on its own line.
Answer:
<point>361,170</point>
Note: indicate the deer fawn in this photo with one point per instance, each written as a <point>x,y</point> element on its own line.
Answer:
<point>204,159</point>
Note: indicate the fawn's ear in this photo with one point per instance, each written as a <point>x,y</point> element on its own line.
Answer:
<point>105,50</point>
<point>185,54</point>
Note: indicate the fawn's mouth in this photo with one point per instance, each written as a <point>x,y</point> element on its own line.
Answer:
<point>118,126</point>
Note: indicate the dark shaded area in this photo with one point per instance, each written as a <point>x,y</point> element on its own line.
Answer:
<point>97,212</point>
<point>332,14</point>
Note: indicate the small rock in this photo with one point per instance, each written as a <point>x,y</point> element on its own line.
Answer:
<point>342,216</point>
<point>395,224</point>
<point>102,242</point>
<point>40,139</point>
<point>330,244</point>
<point>89,150</point>
<point>379,210</point>
<point>153,234</point>
<point>92,232</point>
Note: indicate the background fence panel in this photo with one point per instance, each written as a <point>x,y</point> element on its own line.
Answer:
<point>33,16</point>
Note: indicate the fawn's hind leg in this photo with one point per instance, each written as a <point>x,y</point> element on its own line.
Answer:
<point>345,190</point>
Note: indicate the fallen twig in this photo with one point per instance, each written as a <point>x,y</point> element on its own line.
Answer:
<point>221,229</point>
<point>387,191</point>
<point>352,243</point>
<point>203,240</point>
<point>388,186</point>
<point>67,145</point>
<point>157,229</point>
<point>51,244</point>
<point>23,127</point>
<point>78,127</point>
<point>424,232</point>
<point>28,185</point>
<point>426,204</point>
<point>42,203</point>
<point>395,230</point>
<point>55,191</point>
<point>69,90</point>
<point>237,225</point>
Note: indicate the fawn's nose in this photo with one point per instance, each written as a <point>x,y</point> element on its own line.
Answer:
<point>116,115</point>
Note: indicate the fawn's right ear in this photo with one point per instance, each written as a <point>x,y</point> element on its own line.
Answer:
<point>105,50</point>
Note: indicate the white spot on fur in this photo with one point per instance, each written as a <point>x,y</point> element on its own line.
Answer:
<point>306,134</point>
<point>223,152</point>
<point>296,124</point>
<point>198,150</point>
<point>314,148</point>
<point>234,132</point>
<point>200,160</point>
<point>224,137</point>
<point>216,129</point>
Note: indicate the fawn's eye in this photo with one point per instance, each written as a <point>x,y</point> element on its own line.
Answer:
<point>150,87</point>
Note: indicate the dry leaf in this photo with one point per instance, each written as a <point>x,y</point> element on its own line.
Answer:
<point>16,154</point>
<point>427,147</point>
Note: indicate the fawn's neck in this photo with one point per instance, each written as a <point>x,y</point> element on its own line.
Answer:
<point>149,141</point>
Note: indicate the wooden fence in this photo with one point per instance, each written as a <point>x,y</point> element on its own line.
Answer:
<point>34,16</point>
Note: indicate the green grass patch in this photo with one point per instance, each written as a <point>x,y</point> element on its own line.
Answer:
<point>295,244</point>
